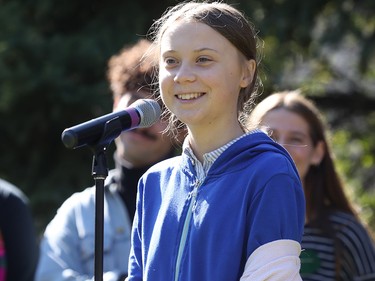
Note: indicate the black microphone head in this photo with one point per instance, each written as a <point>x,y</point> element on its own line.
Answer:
<point>149,110</point>
<point>142,113</point>
<point>69,138</point>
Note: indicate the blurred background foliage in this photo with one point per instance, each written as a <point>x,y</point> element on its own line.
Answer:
<point>53,60</point>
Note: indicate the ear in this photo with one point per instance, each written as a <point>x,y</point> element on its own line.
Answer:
<point>318,153</point>
<point>248,73</point>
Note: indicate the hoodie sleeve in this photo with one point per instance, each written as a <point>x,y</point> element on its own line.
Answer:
<point>277,212</point>
<point>135,258</point>
<point>277,218</point>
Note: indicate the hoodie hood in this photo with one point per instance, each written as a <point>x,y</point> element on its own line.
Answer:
<point>253,147</point>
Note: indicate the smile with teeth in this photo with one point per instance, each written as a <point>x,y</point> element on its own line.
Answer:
<point>189,96</point>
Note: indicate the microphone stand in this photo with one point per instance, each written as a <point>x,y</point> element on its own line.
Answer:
<point>112,130</point>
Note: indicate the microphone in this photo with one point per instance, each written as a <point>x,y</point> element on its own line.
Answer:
<point>142,113</point>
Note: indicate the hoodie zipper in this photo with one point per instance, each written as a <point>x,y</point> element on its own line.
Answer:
<point>193,199</point>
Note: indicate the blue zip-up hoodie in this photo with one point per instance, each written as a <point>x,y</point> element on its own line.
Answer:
<point>189,230</point>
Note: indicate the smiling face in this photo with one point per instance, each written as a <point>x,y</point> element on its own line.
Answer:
<point>200,76</point>
<point>143,146</point>
<point>292,131</point>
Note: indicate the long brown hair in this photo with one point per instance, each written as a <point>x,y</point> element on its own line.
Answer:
<point>323,187</point>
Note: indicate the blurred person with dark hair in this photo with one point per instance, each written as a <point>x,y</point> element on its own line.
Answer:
<point>67,248</point>
<point>18,242</point>
<point>336,245</point>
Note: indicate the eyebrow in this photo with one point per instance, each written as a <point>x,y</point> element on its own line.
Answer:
<point>299,133</point>
<point>195,51</point>
<point>205,49</point>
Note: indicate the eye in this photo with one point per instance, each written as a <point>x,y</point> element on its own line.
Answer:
<point>202,60</point>
<point>170,62</point>
<point>296,140</point>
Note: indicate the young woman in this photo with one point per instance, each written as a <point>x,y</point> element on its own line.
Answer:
<point>231,207</point>
<point>335,245</point>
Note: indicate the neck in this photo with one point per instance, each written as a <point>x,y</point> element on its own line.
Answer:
<point>204,141</point>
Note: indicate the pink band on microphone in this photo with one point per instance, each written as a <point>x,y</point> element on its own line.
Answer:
<point>134,116</point>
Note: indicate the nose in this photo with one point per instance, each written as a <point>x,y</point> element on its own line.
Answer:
<point>185,73</point>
